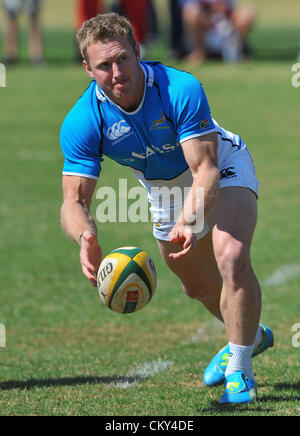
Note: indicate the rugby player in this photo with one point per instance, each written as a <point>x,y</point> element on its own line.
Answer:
<point>156,120</point>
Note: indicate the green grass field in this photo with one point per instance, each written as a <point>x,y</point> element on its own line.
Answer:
<point>66,354</point>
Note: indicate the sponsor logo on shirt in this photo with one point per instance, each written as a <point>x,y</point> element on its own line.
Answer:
<point>153,150</point>
<point>118,130</point>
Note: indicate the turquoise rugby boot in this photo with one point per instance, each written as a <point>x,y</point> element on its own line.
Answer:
<point>268,341</point>
<point>214,373</point>
<point>239,389</point>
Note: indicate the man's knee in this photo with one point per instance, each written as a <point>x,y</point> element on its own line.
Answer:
<point>201,291</point>
<point>234,263</point>
<point>190,15</point>
<point>244,17</point>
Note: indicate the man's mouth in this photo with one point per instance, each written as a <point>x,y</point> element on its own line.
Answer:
<point>121,84</point>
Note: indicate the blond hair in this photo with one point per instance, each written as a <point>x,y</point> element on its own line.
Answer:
<point>104,27</point>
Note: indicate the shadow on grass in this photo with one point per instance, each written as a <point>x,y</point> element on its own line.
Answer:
<point>68,381</point>
<point>283,392</point>
<point>216,408</point>
<point>288,386</point>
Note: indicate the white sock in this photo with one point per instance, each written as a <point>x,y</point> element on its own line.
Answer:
<point>259,337</point>
<point>240,360</point>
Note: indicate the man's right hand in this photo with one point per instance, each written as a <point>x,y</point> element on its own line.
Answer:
<point>90,256</point>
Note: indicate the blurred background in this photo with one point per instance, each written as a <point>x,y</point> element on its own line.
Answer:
<point>59,335</point>
<point>275,33</point>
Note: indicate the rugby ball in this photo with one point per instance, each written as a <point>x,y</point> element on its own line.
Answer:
<point>126,279</point>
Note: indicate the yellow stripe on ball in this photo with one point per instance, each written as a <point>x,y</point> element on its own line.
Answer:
<point>123,261</point>
<point>140,259</point>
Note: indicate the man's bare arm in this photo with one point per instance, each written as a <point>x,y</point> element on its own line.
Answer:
<point>202,156</point>
<point>78,223</point>
<point>75,211</point>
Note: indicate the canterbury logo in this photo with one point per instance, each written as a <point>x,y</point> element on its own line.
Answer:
<point>117,130</point>
<point>228,173</point>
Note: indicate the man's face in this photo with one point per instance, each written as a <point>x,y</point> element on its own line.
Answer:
<point>115,67</point>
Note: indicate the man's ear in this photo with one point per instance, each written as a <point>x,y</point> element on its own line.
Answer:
<point>138,51</point>
<point>87,69</point>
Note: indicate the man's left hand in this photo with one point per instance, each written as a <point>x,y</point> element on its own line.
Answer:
<point>183,235</point>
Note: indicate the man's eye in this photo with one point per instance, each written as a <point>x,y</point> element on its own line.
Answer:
<point>105,65</point>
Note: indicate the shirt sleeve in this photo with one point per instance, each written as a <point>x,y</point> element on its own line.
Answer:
<point>80,143</point>
<point>191,110</point>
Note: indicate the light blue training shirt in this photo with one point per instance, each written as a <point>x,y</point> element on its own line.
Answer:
<point>174,109</point>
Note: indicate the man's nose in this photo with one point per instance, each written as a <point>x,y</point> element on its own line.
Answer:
<point>117,73</point>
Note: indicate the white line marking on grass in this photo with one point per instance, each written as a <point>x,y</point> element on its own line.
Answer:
<point>283,274</point>
<point>146,370</point>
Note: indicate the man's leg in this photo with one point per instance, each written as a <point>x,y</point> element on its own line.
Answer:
<point>35,39</point>
<point>234,220</point>
<point>195,25</point>
<point>137,13</point>
<point>11,39</point>
<point>197,271</point>
<point>234,216</point>
<point>243,19</point>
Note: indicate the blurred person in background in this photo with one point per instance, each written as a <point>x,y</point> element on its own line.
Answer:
<point>178,49</point>
<point>217,28</point>
<point>142,16</point>
<point>11,46</point>
<point>86,9</point>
